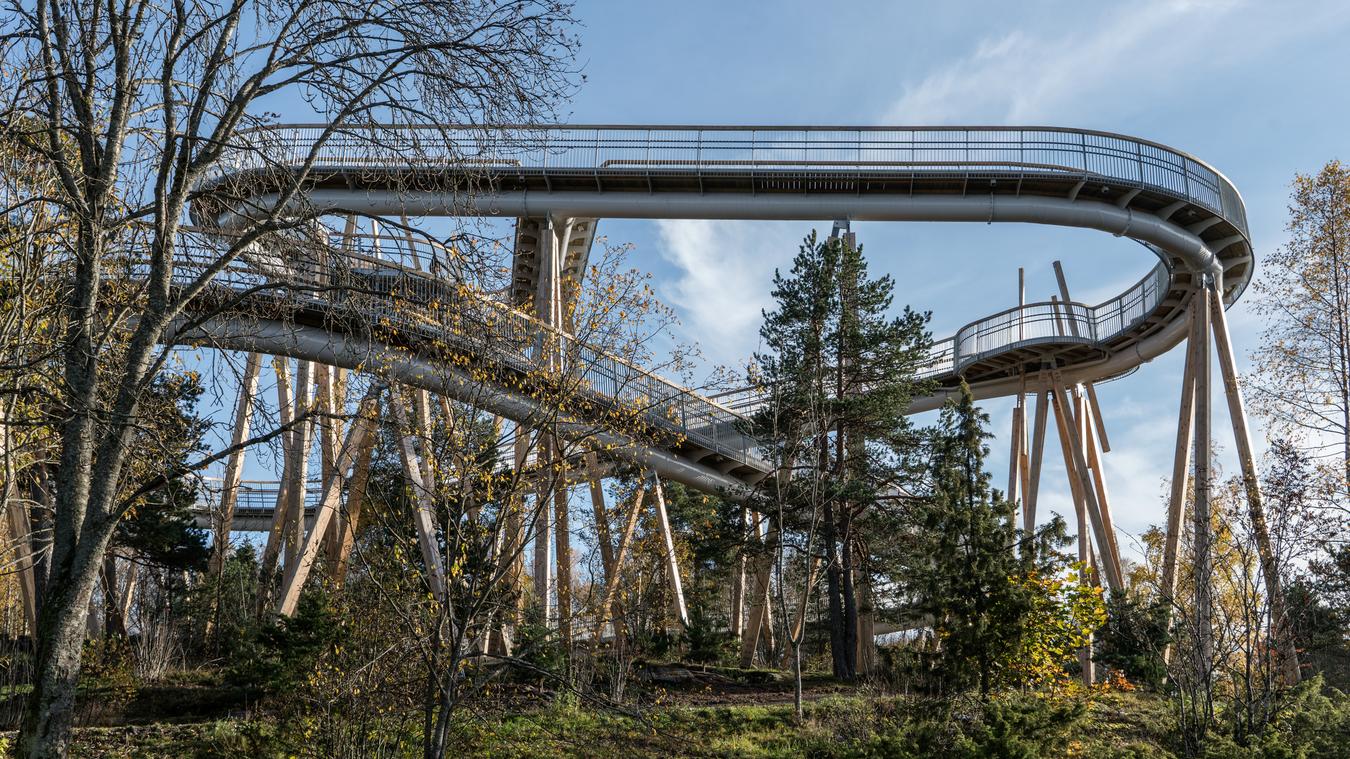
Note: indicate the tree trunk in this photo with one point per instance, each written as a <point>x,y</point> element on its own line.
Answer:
<point>49,711</point>
<point>833,589</point>
<point>114,625</point>
<point>849,637</point>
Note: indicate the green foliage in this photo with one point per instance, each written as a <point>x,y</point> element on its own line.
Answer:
<point>537,645</point>
<point>1002,616</point>
<point>705,642</point>
<point>285,652</point>
<point>1133,638</point>
<point>162,531</point>
<point>841,371</point>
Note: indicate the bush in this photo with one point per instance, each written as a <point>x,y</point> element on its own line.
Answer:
<point>284,652</point>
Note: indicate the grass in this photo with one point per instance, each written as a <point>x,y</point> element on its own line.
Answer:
<point>1126,725</point>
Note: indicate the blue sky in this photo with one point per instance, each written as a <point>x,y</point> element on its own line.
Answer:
<point>1254,88</point>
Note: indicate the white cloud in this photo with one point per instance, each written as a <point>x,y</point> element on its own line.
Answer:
<point>1020,77</point>
<point>726,269</point>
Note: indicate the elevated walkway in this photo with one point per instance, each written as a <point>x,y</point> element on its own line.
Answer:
<point>426,332</point>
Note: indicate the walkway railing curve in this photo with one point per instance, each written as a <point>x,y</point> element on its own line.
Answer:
<point>1051,161</point>
<point>969,152</point>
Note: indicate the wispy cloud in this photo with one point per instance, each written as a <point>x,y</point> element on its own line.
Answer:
<point>725,272</point>
<point>1024,77</point>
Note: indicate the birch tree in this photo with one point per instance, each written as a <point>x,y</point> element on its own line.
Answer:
<point>1302,380</point>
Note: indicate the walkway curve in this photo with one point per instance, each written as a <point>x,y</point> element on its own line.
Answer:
<point>1188,214</point>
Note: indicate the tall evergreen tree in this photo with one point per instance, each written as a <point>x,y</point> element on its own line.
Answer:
<point>842,372</point>
<point>964,569</point>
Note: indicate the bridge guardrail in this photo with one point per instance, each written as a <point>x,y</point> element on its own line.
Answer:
<point>972,152</point>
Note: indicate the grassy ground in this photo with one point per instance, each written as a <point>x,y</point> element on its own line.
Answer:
<point>861,725</point>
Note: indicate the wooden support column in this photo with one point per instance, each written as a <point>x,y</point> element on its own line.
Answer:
<point>356,496</point>
<point>562,544</point>
<point>129,589</point>
<point>1091,390</point>
<point>1079,470</point>
<point>514,552</point>
<point>298,571</point>
<point>1181,464</point>
<point>20,535</point>
<point>298,468</point>
<point>424,507</point>
<point>1063,424</point>
<point>866,659</point>
<point>1200,511</point>
<point>672,561</point>
<point>602,533</point>
<point>1064,296</point>
<point>543,555</point>
<point>1015,454</point>
<point>1037,455</point>
<point>608,605</point>
<point>1075,485</point>
<point>1100,424</point>
<point>759,609</point>
<point>738,583</point>
<point>334,403</point>
<point>1256,512</point>
<point>234,465</point>
<point>285,408</point>
<point>1087,425</point>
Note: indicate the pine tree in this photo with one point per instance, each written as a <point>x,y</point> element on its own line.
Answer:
<point>842,372</point>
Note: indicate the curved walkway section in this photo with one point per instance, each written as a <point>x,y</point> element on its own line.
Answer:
<point>1185,212</point>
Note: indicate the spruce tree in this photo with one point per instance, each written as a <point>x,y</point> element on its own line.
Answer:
<point>964,565</point>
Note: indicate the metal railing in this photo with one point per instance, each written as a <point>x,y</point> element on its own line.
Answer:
<point>436,309</point>
<point>1032,324</point>
<point>354,280</point>
<point>353,283</point>
<point>828,152</point>
<point>1056,322</point>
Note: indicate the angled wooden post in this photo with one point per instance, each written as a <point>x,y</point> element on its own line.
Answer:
<point>1256,512</point>
<point>738,584</point>
<point>234,465</point>
<point>1088,426</point>
<point>1079,470</point>
<point>672,561</point>
<point>285,408</point>
<point>1075,482</point>
<point>424,508</point>
<point>562,543</point>
<point>298,571</point>
<point>334,401</point>
<point>1201,510</point>
<point>20,532</point>
<point>1037,455</point>
<point>1181,464</point>
<point>608,605</point>
<point>1100,424</point>
<point>760,619</point>
<point>1015,455</point>
<point>356,496</point>
<point>602,535</point>
<point>298,467</point>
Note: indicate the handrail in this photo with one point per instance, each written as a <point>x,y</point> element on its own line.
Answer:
<point>411,300</point>
<point>977,151</point>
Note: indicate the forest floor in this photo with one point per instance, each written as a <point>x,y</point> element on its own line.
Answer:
<point>674,711</point>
